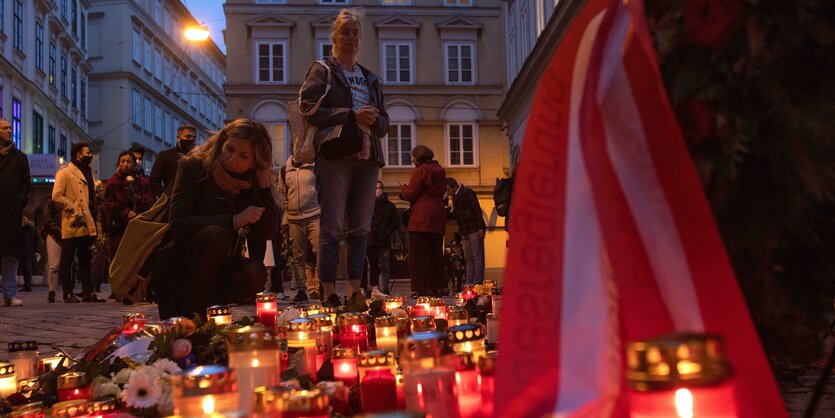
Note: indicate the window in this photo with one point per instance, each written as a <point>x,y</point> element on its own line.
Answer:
<point>166,20</point>
<point>166,75</point>
<point>158,11</point>
<point>137,109</point>
<point>149,115</point>
<point>459,63</point>
<point>3,16</point>
<point>461,144</point>
<point>74,87</point>
<point>399,145</point>
<point>158,121</point>
<point>167,131</point>
<point>333,1</point>
<point>74,17</point>
<point>51,139</point>
<point>62,151</point>
<point>64,9</point>
<point>397,59</point>
<point>149,56</point>
<point>52,63</point>
<point>39,45</point>
<point>396,2</point>
<point>17,112</point>
<point>325,48</point>
<point>84,96</point>
<point>137,47</point>
<point>459,3</point>
<point>157,64</point>
<point>64,75</point>
<point>272,66</point>
<point>37,133</point>
<point>18,25</point>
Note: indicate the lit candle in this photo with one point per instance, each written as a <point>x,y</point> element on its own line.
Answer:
<point>680,375</point>
<point>29,410</point>
<point>205,390</point>
<point>8,382</point>
<point>386,330</point>
<point>487,377</point>
<point>469,388</point>
<point>394,302</point>
<point>300,338</point>
<point>404,328</point>
<point>313,309</point>
<point>323,334</point>
<point>133,322</point>
<point>353,331</point>
<point>493,328</point>
<point>24,355</point>
<point>423,324</point>
<point>76,408</point>
<point>424,301</point>
<point>51,363</point>
<point>344,361</point>
<point>253,354</point>
<point>303,404</point>
<point>468,339</point>
<point>438,308</point>
<point>468,293</point>
<point>265,401</point>
<point>497,300</point>
<point>418,310</point>
<point>378,383</point>
<point>221,314</point>
<point>74,385</point>
<point>266,308</point>
<point>429,364</point>
<point>103,408</point>
<point>457,315</point>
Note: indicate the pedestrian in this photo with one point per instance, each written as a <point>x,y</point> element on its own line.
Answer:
<point>467,212</point>
<point>48,217</point>
<point>427,223</point>
<point>224,192</point>
<point>164,171</point>
<point>297,183</point>
<point>125,196</point>
<point>14,189</point>
<point>30,241</point>
<point>351,120</point>
<point>385,221</point>
<point>75,192</point>
<point>138,153</point>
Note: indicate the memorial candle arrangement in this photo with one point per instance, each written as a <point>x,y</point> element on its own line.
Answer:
<point>323,334</point>
<point>386,330</point>
<point>425,302</point>
<point>74,385</point>
<point>206,390</point>
<point>487,378</point>
<point>24,355</point>
<point>457,315</point>
<point>221,314</point>
<point>353,331</point>
<point>378,382</point>
<point>73,408</point>
<point>8,382</point>
<point>300,337</point>
<point>680,376</point>
<point>468,380</point>
<point>423,324</point>
<point>265,401</point>
<point>429,364</point>
<point>393,302</point>
<point>266,308</point>
<point>344,361</point>
<point>468,339</point>
<point>254,355</point>
<point>438,308</point>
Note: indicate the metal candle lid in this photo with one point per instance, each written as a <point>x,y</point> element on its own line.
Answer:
<point>301,324</point>
<point>71,408</point>
<point>465,332</point>
<point>343,352</point>
<point>6,369</point>
<point>218,310</point>
<point>102,406</point>
<point>457,312</point>
<point>72,380</point>
<point>677,360</point>
<point>377,358</point>
<point>321,320</point>
<point>385,321</point>
<point>253,337</point>
<point>23,345</point>
<point>205,380</point>
<point>425,345</point>
<point>303,401</point>
<point>487,363</point>
<point>352,318</point>
<point>313,309</point>
<point>265,297</point>
<point>400,300</point>
<point>424,300</point>
<point>423,323</point>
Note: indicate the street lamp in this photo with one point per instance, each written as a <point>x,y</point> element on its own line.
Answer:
<point>197,33</point>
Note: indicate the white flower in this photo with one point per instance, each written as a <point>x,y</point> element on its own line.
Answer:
<point>143,389</point>
<point>166,367</point>
<point>121,377</point>
<point>106,389</point>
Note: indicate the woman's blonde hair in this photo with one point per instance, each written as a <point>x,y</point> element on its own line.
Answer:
<point>253,132</point>
<point>353,15</point>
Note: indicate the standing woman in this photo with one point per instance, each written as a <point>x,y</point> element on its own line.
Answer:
<point>427,222</point>
<point>352,119</point>
<point>223,191</point>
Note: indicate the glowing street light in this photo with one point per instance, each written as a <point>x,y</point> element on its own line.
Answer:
<point>197,33</point>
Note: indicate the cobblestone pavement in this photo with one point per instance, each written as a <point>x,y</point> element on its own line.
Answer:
<point>74,327</point>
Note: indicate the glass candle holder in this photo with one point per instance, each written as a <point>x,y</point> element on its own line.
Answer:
<point>323,334</point>
<point>24,355</point>
<point>680,375</point>
<point>353,331</point>
<point>469,386</point>
<point>429,364</point>
<point>493,328</point>
<point>438,308</point>
<point>73,408</point>
<point>265,401</point>
<point>418,310</point>
<point>29,410</point>
<point>221,314</point>
<point>300,338</point>
<point>378,382</point>
<point>497,300</point>
<point>487,377</point>
<point>404,329</point>
<point>393,302</point>
<point>457,315</point>
<point>254,355</point>
<point>313,309</point>
<point>424,301</point>
<point>103,408</point>
<point>49,364</point>
<point>133,322</point>
<point>386,330</point>
<point>344,361</point>
<point>74,385</point>
<point>303,404</point>
<point>8,381</point>
<point>468,339</point>
<point>423,324</point>
<point>205,390</point>
<point>467,293</point>
<point>266,308</point>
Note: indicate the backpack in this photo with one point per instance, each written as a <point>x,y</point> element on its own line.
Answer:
<point>303,141</point>
<point>502,195</point>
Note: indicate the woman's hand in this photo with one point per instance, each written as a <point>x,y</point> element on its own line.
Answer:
<point>248,216</point>
<point>367,115</point>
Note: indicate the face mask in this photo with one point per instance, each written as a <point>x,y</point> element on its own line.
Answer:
<point>86,160</point>
<point>186,144</point>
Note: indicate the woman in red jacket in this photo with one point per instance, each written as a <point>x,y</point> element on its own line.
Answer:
<point>427,222</point>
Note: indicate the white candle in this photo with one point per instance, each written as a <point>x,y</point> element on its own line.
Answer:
<point>8,383</point>
<point>387,339</point>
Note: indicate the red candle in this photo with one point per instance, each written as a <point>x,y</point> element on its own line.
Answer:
<point>266,308</point>
<point>378,391</point>
<point>487,380</point>
<point>344,361</point>
<point>74,386</point>
<point>353,331</point>
<point>418,310</point>
<point>438,309</point>
<point>469,390</point>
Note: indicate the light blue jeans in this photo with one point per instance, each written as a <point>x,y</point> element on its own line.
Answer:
<point>473,246</point>
<point>9,279</point>
<point>346,195</point>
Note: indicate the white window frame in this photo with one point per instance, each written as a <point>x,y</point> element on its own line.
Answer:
<point>137,47</point>
<point>148,63</point>
<point>458,3</point>
<point>383,62</point>
<point>413,139</point>
<point>473,63</point>
<point>448,141</point>
<point>158,123</point>
<point>137,109</point>
<point>285,61</point>
<point>320,46</point>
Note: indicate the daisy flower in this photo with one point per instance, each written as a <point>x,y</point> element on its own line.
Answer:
<point>166,367</point>
<point>121,377</point>
<point>142,389</point>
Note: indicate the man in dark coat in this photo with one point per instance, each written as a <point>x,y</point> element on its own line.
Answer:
<point>467,211</point>
<point>164,171</point>
<point>14,188</point>
<point>385,221</point>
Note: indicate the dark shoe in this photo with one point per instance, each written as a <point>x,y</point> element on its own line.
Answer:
<point>92,298</point>
<point>112,296</point>
<point>315,296</point>
<point>300,297</point>
<point>332,301</point>
<point>51,297</point>
<point>71,299</point>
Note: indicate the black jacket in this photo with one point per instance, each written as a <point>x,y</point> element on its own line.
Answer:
<point>14,190</point>
<point>385,221</point>
<point>48,218</point>
<point>335,116</point>
<point>467,211</point>
<point>30,240</point>
<point>164,171</point>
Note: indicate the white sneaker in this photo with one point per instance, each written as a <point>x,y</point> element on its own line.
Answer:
<point>14,302</point>
<point>377,294</point>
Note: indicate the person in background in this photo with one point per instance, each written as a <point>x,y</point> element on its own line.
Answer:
<point>48,217</point>
<point>297,183</point>
<point>427,223</point>
<point>125,196</point>
<point>30,240</point>
<point>385,221</point>
<point>467,212</point>
<point>14,190</point>
<point>164,171</point>
<point>138,153</point>
<point>74,191</point>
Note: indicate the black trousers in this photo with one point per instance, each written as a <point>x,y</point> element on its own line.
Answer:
<point>78,250</point>
<point>426,262</point>
<point>374,253</point>
<point>25,263</point>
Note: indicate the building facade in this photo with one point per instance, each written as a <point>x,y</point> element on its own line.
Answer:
<point>148,80</point>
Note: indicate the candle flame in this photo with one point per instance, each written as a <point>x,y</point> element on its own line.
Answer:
<point>684,403</point>
<point>255,362</point>
<point>208,405</point>
<point>420,389</point>
<point>345,367</point>
<point>355,328</point>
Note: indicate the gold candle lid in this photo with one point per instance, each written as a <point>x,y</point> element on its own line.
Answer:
<point>29,410</point>
<point>314,307</point>
<point>314,400</point>
<point>265,297</point>
<point>23,345</point>
<point>6,369</point>
<point>301,324</point>
<point>205,380</point>
<point>101,406</point>
<point>464,361</point>
<point>265,398</point>
<point>252,337</point>
<point>321,320</point>
<point>457,312</point>
<point>424,300</point>
<point>385,321</point>
<point>218,310</point>
<point>437,302</point>
<point>377,358</point>
<point>396,299</point>
<point>71,408</point>
<point>425,345</point>
<point>352,318</point>
<point>343,352</point>
<point>465,332</point>
<point>423,323</point>
<point>134,316</point>
<point>676,360</point>
<point>487,363</point>
<point>72,380</point>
